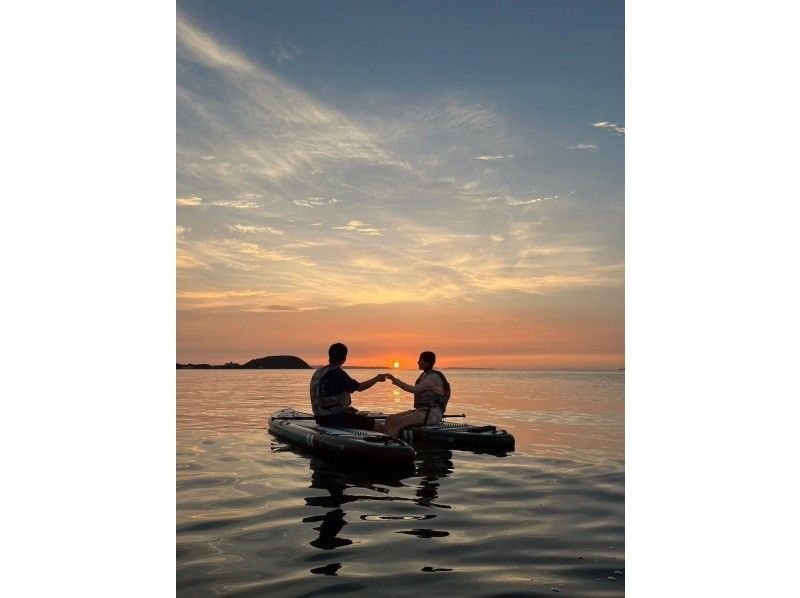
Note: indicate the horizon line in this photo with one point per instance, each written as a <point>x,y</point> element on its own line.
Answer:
<point>375,367</point>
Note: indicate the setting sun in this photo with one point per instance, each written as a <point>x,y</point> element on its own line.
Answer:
<point>396,364</point>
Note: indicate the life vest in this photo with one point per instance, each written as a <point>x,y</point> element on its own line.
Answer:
<point>429,398</point>
<point>326,405</point>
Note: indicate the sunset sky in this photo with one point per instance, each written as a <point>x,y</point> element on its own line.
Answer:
<point>404,176</point>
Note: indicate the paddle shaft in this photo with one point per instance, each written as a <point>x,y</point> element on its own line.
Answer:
<point>379,417</point>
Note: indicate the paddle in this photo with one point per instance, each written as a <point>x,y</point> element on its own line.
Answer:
<point>378,417</point>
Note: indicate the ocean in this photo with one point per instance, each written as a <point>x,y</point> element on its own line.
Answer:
<point>259,517</point>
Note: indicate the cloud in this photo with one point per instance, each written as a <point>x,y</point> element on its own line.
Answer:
<point>459,113</point>
<point>446,265</point>
<point>187,261</point>
<point>284,51</point>
<point>267,134</point>
<point>583,146</point>
<point>529,260</point>
<point>249,228</point>
<point>201,295</point>
<point>243,299</point>
<point>257,124</point>
<point>203,49</point>
<point>313,202</point>
<point>609,125</point>
<point>282,308</point>
<point>304,244</point>
<point>186,202</point>
<point>417,207</point>
<point>235,255</point>
<point>531,201</point>
<point>237,204</point>
<point>359,227</point>
<point>494,157</point>
<point>180,231</point>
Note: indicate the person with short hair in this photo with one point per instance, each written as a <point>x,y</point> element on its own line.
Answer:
<point>330,393</point>
<point>431,393</point>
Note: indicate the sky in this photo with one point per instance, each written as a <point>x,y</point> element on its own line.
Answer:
<point>400,177</point>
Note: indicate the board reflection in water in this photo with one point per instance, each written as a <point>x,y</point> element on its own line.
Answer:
<point>336,477</point>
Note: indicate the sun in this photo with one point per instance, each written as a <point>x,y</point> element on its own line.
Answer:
<point>396,364</point>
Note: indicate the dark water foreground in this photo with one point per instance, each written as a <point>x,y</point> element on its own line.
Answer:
<point>257,517</point>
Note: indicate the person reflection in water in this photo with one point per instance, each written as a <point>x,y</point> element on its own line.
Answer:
<point>434,465</point>
<point>330,393</point>
<point>431,393</point>
<point>332,522</point>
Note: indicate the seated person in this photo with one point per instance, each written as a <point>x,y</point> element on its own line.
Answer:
<point>330,393</point>
<point>431,393</point>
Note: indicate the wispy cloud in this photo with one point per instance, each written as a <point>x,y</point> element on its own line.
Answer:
<point>590,147</point>
<point>202,295</point>
<point>236,204</point>
<point>202,48</point>
<point>232,254</point>
<point>192,201</point>
<point>273,131</point>
<point>609,125</point>
<point>187,261</point>
<point>249,228</point>
<point>314,202</point>
<point>413,199</point>
<point>446,265</point>
<point>246,300</point>
<point>284,51</point>
<point>532,200</point>
<point>460,113</point>
<point>181,231</point>
<point>359,227</point>
<point>492,158</point>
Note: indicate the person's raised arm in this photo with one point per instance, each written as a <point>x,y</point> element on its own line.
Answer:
<point>368,383</point>
<point>426,384</point>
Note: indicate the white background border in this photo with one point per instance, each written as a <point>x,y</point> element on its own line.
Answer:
<point>711,298</point>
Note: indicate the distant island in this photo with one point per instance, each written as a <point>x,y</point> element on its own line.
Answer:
<point>270,362</point>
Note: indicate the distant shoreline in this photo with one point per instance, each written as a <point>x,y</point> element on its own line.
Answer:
<point>270,362</point>
<point>291,362</point>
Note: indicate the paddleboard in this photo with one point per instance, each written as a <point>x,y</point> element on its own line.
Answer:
<point>345,442</point>
<point>459,435</point>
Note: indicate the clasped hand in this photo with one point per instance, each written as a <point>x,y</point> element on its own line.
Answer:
<point>383,377</point>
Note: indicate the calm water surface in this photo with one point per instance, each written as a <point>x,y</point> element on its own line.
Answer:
<point>258,517</point>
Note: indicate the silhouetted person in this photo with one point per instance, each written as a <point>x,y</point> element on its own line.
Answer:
<point>431,393</point>
<point>330,393</point>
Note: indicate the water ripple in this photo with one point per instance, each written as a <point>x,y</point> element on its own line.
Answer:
<point>257,517</point>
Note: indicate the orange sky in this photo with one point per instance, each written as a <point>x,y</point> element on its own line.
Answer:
<point>533,333</point>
